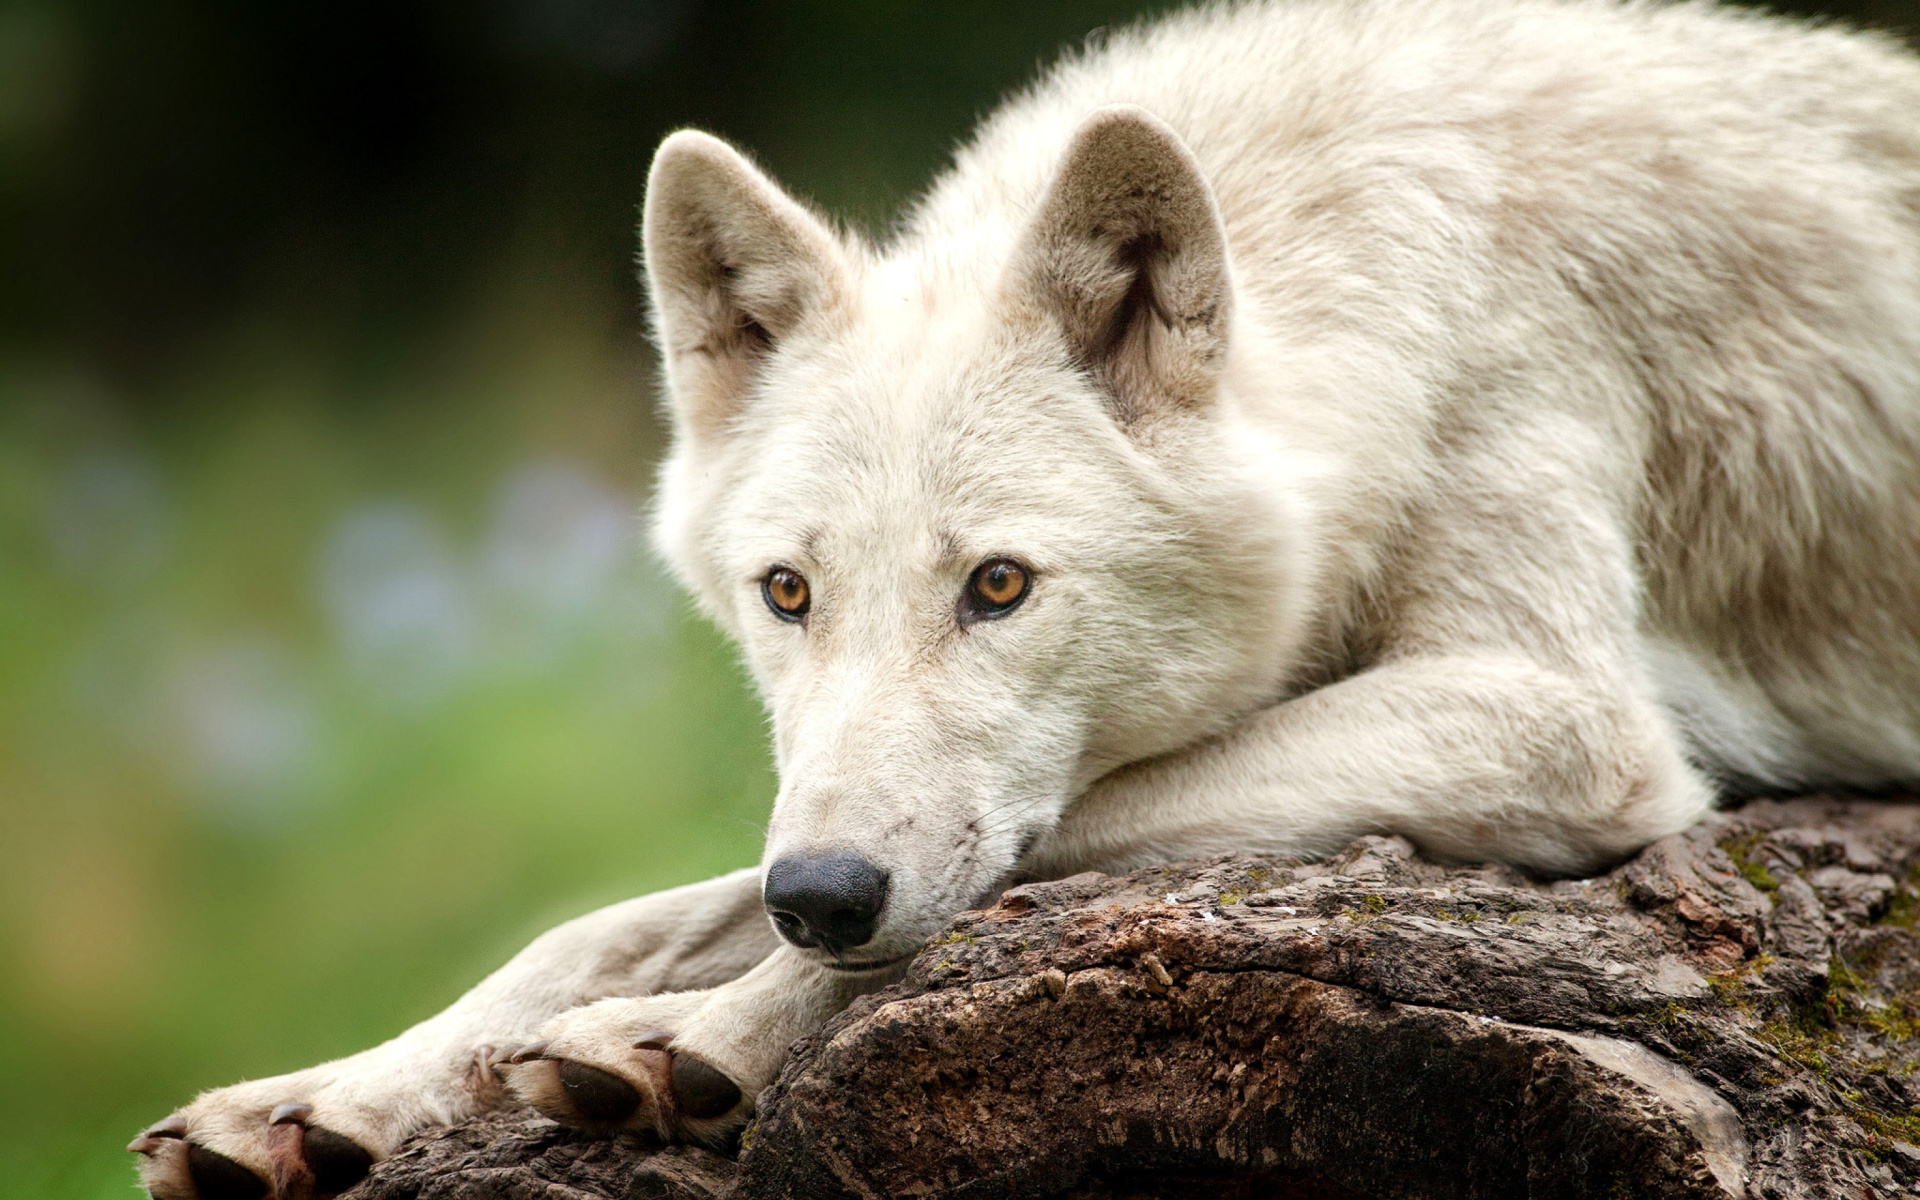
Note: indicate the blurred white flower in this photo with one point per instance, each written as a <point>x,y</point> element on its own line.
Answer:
<point>400,603</point>
<point>558,542</point>
<point>558,568</point>
<point>241,729</point>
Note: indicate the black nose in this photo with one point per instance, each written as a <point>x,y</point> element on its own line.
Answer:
<point>831,900</point>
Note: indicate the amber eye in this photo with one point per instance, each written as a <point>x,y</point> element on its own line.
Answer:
<point>997,586</point>
<point>786,592</point>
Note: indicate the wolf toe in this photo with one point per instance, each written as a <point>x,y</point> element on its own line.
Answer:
<point>177,1169</point>
<point>590,1078</point>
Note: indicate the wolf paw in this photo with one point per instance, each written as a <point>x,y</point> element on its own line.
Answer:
<point>245,1150</point>
<point>632,1065</point>
<point>303,1136</point>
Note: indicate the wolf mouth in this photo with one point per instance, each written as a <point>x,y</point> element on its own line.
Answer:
<point>855,968</point>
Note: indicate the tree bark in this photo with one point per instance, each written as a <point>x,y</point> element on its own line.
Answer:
<point>1731,1013</point>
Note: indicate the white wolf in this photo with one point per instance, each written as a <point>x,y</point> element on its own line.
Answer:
<point>1492,422</point>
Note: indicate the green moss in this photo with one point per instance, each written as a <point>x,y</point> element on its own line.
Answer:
<point>1898,1022</point>
<point>1738,850</point>
<point>1759,876</point>
<point>1904,910</point>
<point>1230,898</point>
<point>1800,1045</point>
<point>1900,1129</point>
<point>1841,977</point>
<point>1376,907</point>
<point>1259,875</point>
<point>1818,1035</point>
<point>1728,991</point>
<point>1848,1000</point>
<point>1730,986</point>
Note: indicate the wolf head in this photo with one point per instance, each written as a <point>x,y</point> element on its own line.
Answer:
<point>980,510</point>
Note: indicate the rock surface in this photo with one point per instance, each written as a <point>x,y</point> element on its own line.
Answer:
<point>1732,1013</point>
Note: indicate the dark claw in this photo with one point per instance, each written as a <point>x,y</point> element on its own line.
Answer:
<point>286,1148</point>
<point>656,1039</point>
<point>154,1138</point>
<point>525,1053</point>
<point>492,1058</point>
<point>291,1114</point>
<point>336,1160</point>
<point>700,1090</point>
<point>217,1177</point>
<point>596,1094</point>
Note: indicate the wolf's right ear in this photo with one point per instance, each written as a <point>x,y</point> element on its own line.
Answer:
<point>1127,256</point>
<point>733,265</point>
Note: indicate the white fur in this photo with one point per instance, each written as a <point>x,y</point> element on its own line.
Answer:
<point>1490,422</point>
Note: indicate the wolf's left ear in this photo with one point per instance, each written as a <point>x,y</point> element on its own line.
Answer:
<point>1128,255</point>
<point>733,266</point>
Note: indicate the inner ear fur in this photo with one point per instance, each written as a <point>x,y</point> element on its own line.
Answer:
<point>733,266</point>
<point>1127,254</point>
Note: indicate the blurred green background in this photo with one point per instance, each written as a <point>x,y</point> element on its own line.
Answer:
<point>332,666</point>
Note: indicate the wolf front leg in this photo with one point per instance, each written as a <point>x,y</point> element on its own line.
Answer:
<point>684,1066</point>
<point>318,1131</point>
<point>1473,756</point>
